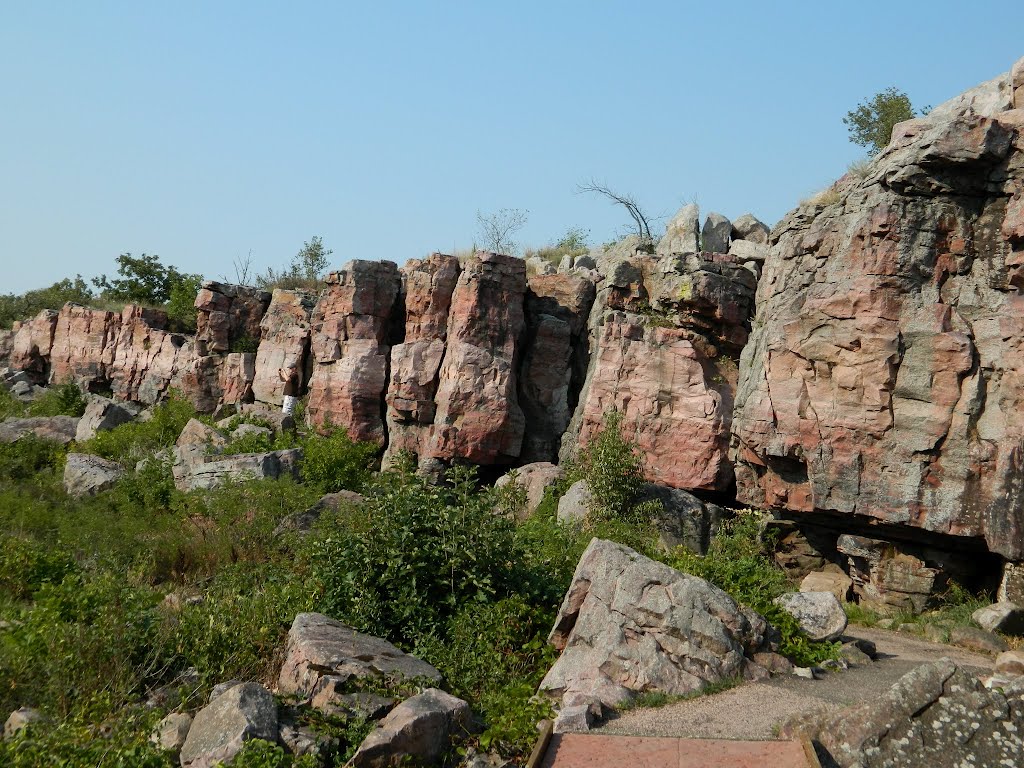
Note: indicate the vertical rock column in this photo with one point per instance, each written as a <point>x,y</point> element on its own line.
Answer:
<point>149,360</point>
<point>83,345</point>
<point>415,364</point>
<point>286,329</point>
<point>478,417</point>
<point>350,326</point>
<point>30,348</point>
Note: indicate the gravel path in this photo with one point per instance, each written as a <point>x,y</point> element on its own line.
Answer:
<point>754,710</point>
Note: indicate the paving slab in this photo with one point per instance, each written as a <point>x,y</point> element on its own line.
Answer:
<point>573,750</point>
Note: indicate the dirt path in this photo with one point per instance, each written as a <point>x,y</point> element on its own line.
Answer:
<point>754,710</point>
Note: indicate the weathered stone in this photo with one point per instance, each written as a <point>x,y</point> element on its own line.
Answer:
<point>284,337</point>
<point>936,715</point>
<point>773,663</point>
<point>714,237</point>
<point>196,433</point>
<point>748,227</point>
<point>228,317</point>
<point>59,429</point>
<point>793,548</point>
<point>884,370</point>
<point>979,640</point>
<point>628,624</point>
<point>171,732</point>
<point>478,417</point>
<point>574,506</point>
<point>575,719</point>
<point>745,250</point>
<point>333,699</point>
<point>319,648</point>
<point>685,520</point>
<point>220,729</point>
<point>535,265</point>
<point>303,522</point>
<point>534,479</point>
<point>886,578</point>
<point>681,233</point>
<point>87,475</point>
<point>84,341</point>
<point>1010,663</point>
<point>417,730</point>
<point>671,408</point>
<point>1007,618</point>
<point>251,431</point>
<point>1011,586</point>
<point>211,472</point>
<point>149,361</point>
<point>854,655</point>
<point>33,340</point>
<point>20,719</point>
<point>101,415</point>
<point>350,346</point>
<point>836,582</point>
<point>819,614</point>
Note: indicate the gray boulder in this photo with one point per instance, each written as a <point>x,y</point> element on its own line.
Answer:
<point>937,715</point>
<point>534,479</point>
<point>574,506</point>
<point>194,473</point>
<point>686,520</point>
<point>819,614</point>
<point>303,522</point>
<point>682,233</point>
<point>251,430</point>
<point>714,238</point>
<point>417,730</point>
<point>87,475</point>
<point>102,414</point>
<point>746,251</point>
<point>979,640</point>
<point>322,655</point>
<point>629,624</point>
<point>834,581</point>
<point>60,429</point>
<point>221,728</point>
<point>748,227</point>
<point>1004,617</point>
<point>171,732</point>
<point>20,719</point>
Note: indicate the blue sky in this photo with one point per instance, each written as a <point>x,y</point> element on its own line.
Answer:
<point>204,131</point>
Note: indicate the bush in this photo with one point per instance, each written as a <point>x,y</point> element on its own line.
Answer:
<point>336,462</point>
<point>61,400</point>
<point>424,551</point>
<point>30,459</point>
<point>136,440</point>
<point>29,304</point>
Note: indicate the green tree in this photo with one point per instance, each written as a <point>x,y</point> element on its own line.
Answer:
<point>143,280</point>
<point>871,123</point>
<point>19,307</point>
<point>306,270</point>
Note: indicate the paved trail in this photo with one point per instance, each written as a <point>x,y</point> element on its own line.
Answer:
<point>754,711</point>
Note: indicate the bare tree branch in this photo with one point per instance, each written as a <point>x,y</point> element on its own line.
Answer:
<point>496,229</point>
<point>643,229</point>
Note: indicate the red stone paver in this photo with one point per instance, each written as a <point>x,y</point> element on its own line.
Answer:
<point>572,750</point>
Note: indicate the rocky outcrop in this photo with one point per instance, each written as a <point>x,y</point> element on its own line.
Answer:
<point>936,715</point>
<point>60,429</point>
<point>284,338</point>
<point>351,327</point>
<point>87,475</point>
<point>102,414</point>
<point>629,624</point>
<point>883,380</point>
<point>206,472</point>
<point>228,318</point>
<point>244,712</point>
<point>31,345</point>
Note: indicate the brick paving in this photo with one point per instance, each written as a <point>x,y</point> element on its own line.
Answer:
<point>572,750</point>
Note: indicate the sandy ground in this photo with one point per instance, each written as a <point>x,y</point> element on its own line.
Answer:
<point>754,710</point>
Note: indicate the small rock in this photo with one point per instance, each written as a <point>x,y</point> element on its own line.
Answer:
<point>1010,663</point>
<point>574,506</point>
<point>935,633</point>
<point>19,719</point>
<point>251,430</point>
<point>87,475</point>
<point>979,640</point>
<point>171,732</point>
<point>866,646</point>
<point>854,655</point>
<point>533,478</point>
<point>805,672</point>
<point>774,663</point>
<point>833,665</point>
<point>1004,617</point>
<point>819,613</point>
<point>221,728</point>
<point>576,719</point>
<point>419,729</point>
<point>333,699</point>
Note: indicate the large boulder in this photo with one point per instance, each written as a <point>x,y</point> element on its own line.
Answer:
<point>629,624</point>
<point>102,414</point>
<point>219,731</point>
<point>684,520</point>
<point>211,472</point>
<point>59,429</point>
<point>887,578</point>
<point>322,654</point>
<point>936,715</point>
<point>1007,618</point>
<point>682,233</point>
<point>751,229</point>
<point>884,373</point>
<point>172,731</point>
<point>534,479</point>
<point>575,504</point>
<point>819,614</point>
<point>714,237</point>
<point>87,475</point>
<point>418,730</point>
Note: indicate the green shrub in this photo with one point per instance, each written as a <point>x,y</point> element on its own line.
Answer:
<point>31,303</point>
<point>61,400</point>
<point>336,462</point>
<point>426,551</point>
<point>258,753</point>
<point>136,440</point>
<point>30,458</point>
<point>25,566</point>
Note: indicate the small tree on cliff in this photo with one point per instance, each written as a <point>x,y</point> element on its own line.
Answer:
<point>871,123</point>
<point>497,229</point>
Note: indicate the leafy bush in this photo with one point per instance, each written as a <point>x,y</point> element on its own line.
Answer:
<point>424,552</point>
<point>30,458</point>
<point>29,304</point>
<point>136,440</point>
<point>26,566</point>
<point>336,462</point>
<point>258,753</point>
<point>61,400</point>
<point>738,563</point>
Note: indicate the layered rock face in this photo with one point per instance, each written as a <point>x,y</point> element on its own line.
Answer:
<point>284,337</point>
<point>229,317</point>
<point>885,374</point>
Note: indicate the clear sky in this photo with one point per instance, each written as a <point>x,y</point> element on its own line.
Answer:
<point>201,131</point>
